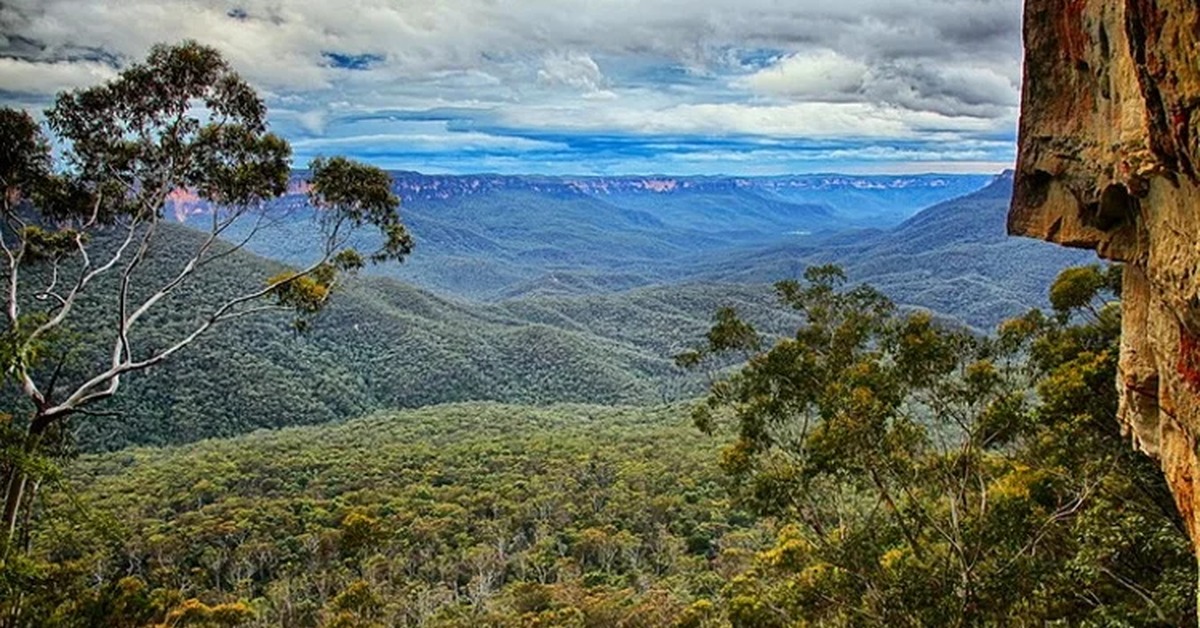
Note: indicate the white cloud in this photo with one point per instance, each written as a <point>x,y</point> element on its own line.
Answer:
<point>32,77</point>
<point>312,120</point>
<point>575,70</point>
<point>432,139</point>
<point>821,74</point>
<point>946,87</point>
<point>279,43</point>
<point>926,166</point>
<point>945,69</point>
<point>812,120</point>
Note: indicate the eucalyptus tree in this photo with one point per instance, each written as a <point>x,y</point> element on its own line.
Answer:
<point>925,475</point>
<point>78,225</point>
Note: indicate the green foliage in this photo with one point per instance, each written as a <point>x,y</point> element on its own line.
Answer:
<point>193,612</point>
<point>141,129</point>
<point>24,153</point>
<point>44,245</point>
<point>1078,288</point>
<point>459,515</point>
<point>307,294</point>
<point>920,484</point>
<point>362,195</point>
<point>18,352</point>
<point>237,165</point>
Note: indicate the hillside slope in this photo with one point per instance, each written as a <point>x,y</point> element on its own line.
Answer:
<point>487,237</point>
<point>953,258</point>
<point>383,344</point>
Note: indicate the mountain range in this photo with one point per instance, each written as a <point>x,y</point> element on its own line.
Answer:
<point>489,237</point>
<point>953,258</point>
<point>596,298</point>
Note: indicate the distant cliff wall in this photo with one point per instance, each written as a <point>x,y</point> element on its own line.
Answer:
<point>1108,157</point>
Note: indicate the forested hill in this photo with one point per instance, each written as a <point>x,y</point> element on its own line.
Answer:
<point>953,258</point>
<point>487,237</point>
<point>384,344</point>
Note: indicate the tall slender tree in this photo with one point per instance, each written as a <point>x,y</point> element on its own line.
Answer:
<point>79,226</point>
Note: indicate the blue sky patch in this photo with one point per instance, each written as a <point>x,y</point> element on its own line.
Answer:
<point>345,61</point>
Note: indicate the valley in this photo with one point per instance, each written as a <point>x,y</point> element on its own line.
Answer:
<point>527,455</point>
<point>489,238</point>
<point>582,332</point>
<point>564,314</point>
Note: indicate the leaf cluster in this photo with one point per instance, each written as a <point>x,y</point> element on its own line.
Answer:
<point>933,477</point>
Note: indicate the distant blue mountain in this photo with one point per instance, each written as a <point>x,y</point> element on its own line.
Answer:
<point>954,258</point>
<point>591,286</point>
<point>884,199</point>
<point>492,236</point>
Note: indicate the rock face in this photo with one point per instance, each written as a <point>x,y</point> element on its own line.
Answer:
<point>1108,157</point>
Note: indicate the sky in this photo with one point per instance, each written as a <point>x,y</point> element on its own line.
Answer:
<point>580,87</point>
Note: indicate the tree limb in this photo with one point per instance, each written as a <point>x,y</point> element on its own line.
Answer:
<point>110,378</point>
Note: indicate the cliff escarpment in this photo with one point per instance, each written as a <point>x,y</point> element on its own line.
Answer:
<point>1108,159</point>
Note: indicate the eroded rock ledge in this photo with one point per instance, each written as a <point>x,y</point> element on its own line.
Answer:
<point>1108,157</point>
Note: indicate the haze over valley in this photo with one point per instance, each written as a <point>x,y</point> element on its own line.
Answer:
<point>540,290</point>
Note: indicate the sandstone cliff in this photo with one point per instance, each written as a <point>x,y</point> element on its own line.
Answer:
<point>1108,159</point>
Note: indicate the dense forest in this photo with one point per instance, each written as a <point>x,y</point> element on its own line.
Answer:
<point>948,496</point>
<point>382,344</point>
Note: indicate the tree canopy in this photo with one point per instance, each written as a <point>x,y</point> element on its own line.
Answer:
<point>928,476</point>
<point>943,478</point>
<point>79,226</point>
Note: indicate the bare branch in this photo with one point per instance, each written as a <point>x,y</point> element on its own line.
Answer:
<point>87,260</point>
<point>91,221</point>
<point>86,276</point>
<point>122,345</point>
<point>259,223</point>
<point>1064,512</point>
<point>11,309</point>
<point>252,311</point>
<point>110,378</point>
<point>1138,591</point>
<point>189,268</point>
<point>48,292</point>
<point>97,413</point>
<point>29,387</point>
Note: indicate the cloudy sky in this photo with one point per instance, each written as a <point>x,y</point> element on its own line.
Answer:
<point>578,86</point>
